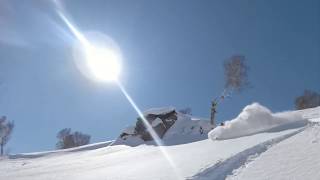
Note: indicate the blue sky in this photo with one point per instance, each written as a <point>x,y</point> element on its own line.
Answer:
<point>173,54</point>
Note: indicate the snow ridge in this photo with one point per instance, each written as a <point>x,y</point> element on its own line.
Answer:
<point>61,151</point>
<point>225,168</point>
<point>254,119</point>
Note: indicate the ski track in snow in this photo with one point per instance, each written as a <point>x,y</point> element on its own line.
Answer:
<point>223,169</point>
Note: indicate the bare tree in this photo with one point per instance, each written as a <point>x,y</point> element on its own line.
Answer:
<point>236,74</point>
<point>63,133</point>
<point>309,99</point>
<point>6,128</point>
<point>80,138</point>
<point>236,80</point>
<point>69,140</point>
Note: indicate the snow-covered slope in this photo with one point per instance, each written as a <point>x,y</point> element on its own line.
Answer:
<point>294,158</point>
<point>124,162</point>
<point>237,158</point>
<point>62,151</point>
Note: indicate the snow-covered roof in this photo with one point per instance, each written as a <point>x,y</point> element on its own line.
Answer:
<point>129,130</point>
<point>159,111</point>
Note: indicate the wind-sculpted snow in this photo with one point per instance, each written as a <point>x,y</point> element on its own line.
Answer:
<point>223,169</point>
<point>75,149</point>
<point>294,158</point>
<point>256,118</point>
<point>158,111</point>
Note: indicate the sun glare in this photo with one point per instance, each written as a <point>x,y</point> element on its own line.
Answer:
<point>99,56</point>
<point>103,63</point>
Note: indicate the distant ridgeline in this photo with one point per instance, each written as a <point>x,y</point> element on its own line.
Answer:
<point>172,126</point>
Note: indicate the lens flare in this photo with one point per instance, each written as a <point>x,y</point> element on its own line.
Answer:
<point>109,70</point>
<point>152,132</point>
<point>102,60</point>
<point>103,63</point>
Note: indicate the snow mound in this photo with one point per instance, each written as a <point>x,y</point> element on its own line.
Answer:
<point>159,111</point>
<point>171,126</point>
<point>186,130</point>
<point>315,120</point>
<point>185,125</point>
<point>256,118</point>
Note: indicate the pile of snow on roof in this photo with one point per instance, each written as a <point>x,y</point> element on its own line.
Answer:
<point>172,126</point>
<point>159,110</point>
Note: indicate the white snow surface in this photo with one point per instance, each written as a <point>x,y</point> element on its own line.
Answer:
<point>159,111</point>
<point>284,153</point>
<point>186,129</point>
<point>62,151</point>
<point>294,158</point>
<point>133,163</point>
<point>291,156</point>
<point>256,118</point>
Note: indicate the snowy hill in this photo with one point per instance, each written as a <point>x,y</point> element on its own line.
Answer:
<point>280,146</point>
<point>294,158</point>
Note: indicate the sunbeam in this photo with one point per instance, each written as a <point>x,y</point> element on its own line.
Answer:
<point>73,29</point>
<point>154,135</point>
<point>87,45</point>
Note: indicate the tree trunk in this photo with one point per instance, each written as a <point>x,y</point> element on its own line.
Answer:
<point>1,149</point>
<point>212,118</point>
<point>213,113</point>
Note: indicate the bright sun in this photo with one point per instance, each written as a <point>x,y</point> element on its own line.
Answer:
<point>103,63</point>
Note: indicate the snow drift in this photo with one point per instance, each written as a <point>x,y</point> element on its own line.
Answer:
<point>259,156</point>
<point>300,161</point>
<point>87,147</point>
<point>172,126</point>
<point>256,118</point>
